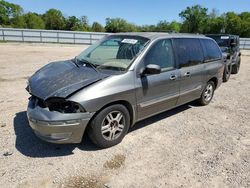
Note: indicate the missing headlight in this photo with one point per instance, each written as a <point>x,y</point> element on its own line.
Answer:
<point>57,104</point>
<point>63,106</point>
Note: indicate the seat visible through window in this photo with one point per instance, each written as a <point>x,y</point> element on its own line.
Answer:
<point>161,54</point>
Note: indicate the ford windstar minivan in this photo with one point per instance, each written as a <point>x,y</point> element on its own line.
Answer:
<point>118,81</point>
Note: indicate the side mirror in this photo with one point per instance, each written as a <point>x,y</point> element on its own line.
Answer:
<point>151,69</point>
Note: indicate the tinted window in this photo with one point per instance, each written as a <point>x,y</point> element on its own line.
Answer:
<point>188,51</point>
<point>212,50</point>
<point>223,41</point>
<point>161,53</point>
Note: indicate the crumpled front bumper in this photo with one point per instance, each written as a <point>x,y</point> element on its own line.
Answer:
<point>56,127</point>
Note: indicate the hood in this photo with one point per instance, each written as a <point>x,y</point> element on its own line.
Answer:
<point>60,79</point>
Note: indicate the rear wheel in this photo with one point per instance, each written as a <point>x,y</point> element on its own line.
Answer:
<point>207,94</point>
<point>236,67</point>
<point>227,72</point>
<point>109,126</point>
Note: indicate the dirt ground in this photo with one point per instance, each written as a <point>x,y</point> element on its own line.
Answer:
<point>190,146</point>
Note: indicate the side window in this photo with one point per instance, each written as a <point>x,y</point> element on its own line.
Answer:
<point>212,50</point>
<point>161,53</point>
<point>188,51</point>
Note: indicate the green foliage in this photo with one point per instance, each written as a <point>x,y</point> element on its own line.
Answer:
<point>196,19</point>
<point>116,25</point>
<point>18,22</point>
<point>97,27</point>
<point>8,12</point>
<point>175,26</point>
<point>245,24</point>
<point>162,26</point>
<point>33,21</point>
<point>73,23</point>
<point>233,23</point>
<point>54,19</point>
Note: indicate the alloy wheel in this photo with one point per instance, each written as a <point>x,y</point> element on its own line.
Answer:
<point>208,92</point>
<point>113,125</point>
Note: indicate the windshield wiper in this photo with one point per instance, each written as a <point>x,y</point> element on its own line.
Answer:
<point>75,61</point>
<point>84,61</point>
<point>111,68</point>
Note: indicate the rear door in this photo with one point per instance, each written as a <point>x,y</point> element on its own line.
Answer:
<point>190,59</point>
<point>213,63</point>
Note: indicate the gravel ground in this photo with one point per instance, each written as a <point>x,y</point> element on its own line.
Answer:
<point>190,146</point>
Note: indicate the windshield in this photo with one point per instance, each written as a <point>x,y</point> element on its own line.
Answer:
<point>114,52</point>
<point>222,41</point>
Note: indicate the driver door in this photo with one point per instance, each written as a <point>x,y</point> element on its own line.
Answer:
<point>158,92</point>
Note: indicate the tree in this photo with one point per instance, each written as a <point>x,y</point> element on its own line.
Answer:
<point>115,25</point>
<point>72,23</point>
<point>215,25</point>
<point>233,23</point>
<point>8,12</point>
<point>84,23</point>
<point>54,19</point>
<point>97,27</point>
<point>162,26</point>
<point>18,22</point>
<point>33,21</point>
<point>175,26</point>
<point>194,19</point>
<point>245,24</point>
<point>147,28</point>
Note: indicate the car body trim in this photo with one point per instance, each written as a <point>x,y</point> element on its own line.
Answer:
<point>158,100</point>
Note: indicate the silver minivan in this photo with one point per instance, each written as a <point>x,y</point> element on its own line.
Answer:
<point>119,81</point>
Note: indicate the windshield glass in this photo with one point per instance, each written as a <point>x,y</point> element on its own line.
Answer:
<point>222,41</point>
<point>114,52</point>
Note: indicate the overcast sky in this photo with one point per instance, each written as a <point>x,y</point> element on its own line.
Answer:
<point>136,11</point>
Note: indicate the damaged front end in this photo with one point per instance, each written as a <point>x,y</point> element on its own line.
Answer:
<point>57,120</point>
<point>58,105</point>
<point>52,117</point>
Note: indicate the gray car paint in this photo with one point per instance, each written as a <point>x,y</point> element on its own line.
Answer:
<point>146,95</point>
<point>60,79</point>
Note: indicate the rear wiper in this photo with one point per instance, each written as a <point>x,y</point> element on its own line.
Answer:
<point>84,61</point>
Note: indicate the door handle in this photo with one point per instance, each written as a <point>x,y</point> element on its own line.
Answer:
<point>187,74</point>
<point>173,77</point>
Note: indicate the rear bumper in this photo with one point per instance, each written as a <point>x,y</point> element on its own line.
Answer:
<point>57,127</point>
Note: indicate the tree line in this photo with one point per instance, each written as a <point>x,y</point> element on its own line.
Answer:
<point>195,19</point>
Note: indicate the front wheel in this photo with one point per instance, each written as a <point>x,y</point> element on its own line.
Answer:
<point>109,126</point>
<point>207,94</point>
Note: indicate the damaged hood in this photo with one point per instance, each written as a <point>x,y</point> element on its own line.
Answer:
<point>60,79</point>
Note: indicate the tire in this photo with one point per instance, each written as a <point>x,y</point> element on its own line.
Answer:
<point>207,94</point>
<point>236,67</point>
<point>227,72</point>
<point>109,126</point>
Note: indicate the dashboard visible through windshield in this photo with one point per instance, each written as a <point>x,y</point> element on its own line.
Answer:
<point>115,52</point>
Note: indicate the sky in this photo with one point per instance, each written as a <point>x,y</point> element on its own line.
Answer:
<point>139,12</point>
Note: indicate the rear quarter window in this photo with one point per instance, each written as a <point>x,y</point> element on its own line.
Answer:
<point>211,50</point>
<point>188,51</point>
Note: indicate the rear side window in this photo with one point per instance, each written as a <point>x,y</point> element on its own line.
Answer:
<point>188,51</point>
<point>211,49</point>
